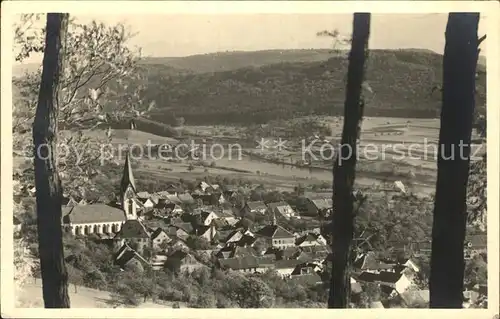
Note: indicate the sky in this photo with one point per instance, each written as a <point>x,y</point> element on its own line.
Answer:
<point>189,34</point>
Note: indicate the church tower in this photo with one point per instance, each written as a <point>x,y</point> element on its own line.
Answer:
<point>128,191</point>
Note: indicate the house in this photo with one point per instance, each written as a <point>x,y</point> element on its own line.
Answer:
<point>228,216</point>
<point>206,199</point>
<point>147,203</point>
<point>319,206</point>
<point>415,298</point>
<point>411,264</point>
<point>203,186</point>
<point>158,262</point>
<point>229,193</point>
<point>169,208</point>
<point>206,232</point>
<point>133,232</point>
<point>475,244</point>
<point>143,195</point>
<point>178,244</point>
<point>307,280</point>
<point>186,198</point>
<point>286,267</point>
<point>376,304</point>
<point>17,224</point>
<point>246,264</point>
<point>69,201</point>
<point>84,220</point>
<point>276,236</point>
<point>367,262</point>
<point>206,218</point>
<point>310,239</point>
<point>126,255</point>
<point>221,199</point>
<point>159,237</point>
<point>100,218</point>
<point>281,208</point>
<point>256,207</point>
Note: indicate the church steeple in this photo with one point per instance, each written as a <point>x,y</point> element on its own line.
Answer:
<point>128,191</point>
<point>127,177</point>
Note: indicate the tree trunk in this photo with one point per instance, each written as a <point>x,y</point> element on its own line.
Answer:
<point>344,166</point>
<point>47,182</point>
<point>448,230</point>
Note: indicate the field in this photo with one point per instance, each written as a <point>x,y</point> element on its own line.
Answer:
<point>390,149</point>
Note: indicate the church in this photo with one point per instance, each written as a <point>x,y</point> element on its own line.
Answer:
<point>105,219</point>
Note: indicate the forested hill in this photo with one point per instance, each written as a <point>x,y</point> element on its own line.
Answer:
<point>402,82</point>
<point>255,87</point>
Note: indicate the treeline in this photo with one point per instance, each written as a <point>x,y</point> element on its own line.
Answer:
<point>402,82</point>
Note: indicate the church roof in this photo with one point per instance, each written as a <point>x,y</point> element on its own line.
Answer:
<point>128,176</point>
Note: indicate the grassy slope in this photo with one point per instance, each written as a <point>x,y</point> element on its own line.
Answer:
<point>31,297</point>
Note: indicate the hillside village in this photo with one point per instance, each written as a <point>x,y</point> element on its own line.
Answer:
<point>182,231</point>
<point>256,232</point>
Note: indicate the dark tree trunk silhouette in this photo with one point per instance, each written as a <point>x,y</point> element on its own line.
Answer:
<point>47,182</point>
<point>448,230</point>
<point>344,166</point>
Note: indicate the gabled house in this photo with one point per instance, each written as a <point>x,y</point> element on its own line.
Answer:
<point>69,201</point>
<point>319,206</point>
<point>172,190</point>
<point>307,280</point>
<point>256,207</point>
<point>203,186</point>
<point>159,237</point>
<point>281,208</point>
<point>186,198</point>
<point>246,264</point>
<point>93,219</point>
<point>143,195</point>
<point>229,193</point>
<point>169,208</point>
<point>286,267</point>
<point>239,238</point>
<point>158,262</point>
<point>147,203</point>
<point>206,199</point>
<point>475,244</point>
<point>310,239</point>
<point>398,282</point>
<point>206,232</point>
<point>276,236</point>
<point>133,232</point>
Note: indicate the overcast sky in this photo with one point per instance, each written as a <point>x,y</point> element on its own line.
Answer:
<point>188,34</point>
